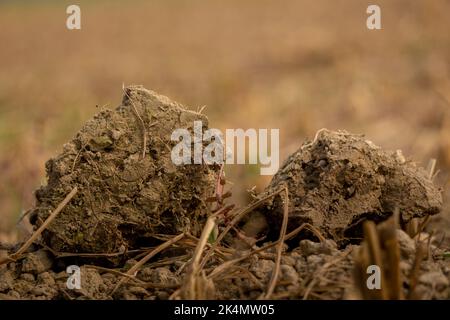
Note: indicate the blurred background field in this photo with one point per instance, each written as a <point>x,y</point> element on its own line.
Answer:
<point>293,65</point>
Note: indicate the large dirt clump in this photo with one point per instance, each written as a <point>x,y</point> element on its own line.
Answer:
<point>125,196</point>
<point>340,179</point>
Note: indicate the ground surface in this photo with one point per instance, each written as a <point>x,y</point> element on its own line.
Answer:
<point>142,228</point>
<point>254,64</point>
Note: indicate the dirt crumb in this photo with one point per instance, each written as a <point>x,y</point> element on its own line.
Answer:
<point>37,262</point>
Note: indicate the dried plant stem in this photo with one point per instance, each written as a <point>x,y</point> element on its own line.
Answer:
<point>141,122</point>
<point>323,269</point>
<point>374,252</point>
<point>236,219</point>
<point>58,254</point>
<point>209,226</point>
<point>275,273</point>
<point>116,272</point>
<point>217,271</point>
<point>373,241</point>
<point>417,225</point>
<point>150,255</point>
<point>415,271</point>
<point>50,218</point>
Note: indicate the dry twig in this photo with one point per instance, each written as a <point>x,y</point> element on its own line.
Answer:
<point>36,234</point>
<point>133,270</point>
<point>141,122</point>
<point>274,278</point>
<point>236,219</point>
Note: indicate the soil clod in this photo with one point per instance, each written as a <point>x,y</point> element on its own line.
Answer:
<point>339,180</point>
<point>124,198</point>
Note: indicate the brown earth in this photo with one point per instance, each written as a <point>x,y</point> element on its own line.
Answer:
<point>132,201</point>
<point>124,197</point>
<point>311,270</point>
<point>339,180</point>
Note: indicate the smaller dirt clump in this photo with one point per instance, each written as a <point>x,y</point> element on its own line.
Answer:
<point>340,179</point>
<point>128,187</point>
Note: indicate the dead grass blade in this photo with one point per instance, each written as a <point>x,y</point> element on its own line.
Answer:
<point>141,122</point>
<point>36,234</point>
<point>415,271</point>
<point>150,255</point>
<point>381,248</point>
<point>323,269</point>
<point>236,219</point>
<point>275,273</point>
<point>116,272</point>
<point>221,268</point>
<point>417,225</point>
<point>391,248</point>
<point>190,288</point>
